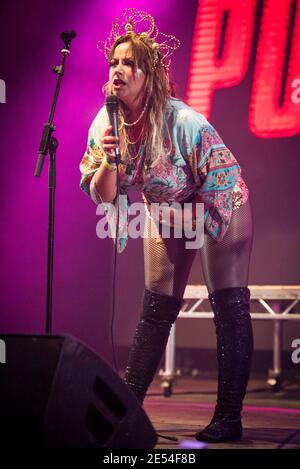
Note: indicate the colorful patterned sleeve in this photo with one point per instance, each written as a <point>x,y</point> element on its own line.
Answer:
<point>216,172</point>
<point>91,161</point>
<point>89,164</point>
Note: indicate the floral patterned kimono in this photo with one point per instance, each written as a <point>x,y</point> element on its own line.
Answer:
<point>194,162</point>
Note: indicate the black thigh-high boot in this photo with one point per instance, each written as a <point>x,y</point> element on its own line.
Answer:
<point>234,349</point>
<point>150,340</point>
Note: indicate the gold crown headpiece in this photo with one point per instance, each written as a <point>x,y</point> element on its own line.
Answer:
<point>127,23</point>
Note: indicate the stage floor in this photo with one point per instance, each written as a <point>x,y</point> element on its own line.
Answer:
<point>269,418</point>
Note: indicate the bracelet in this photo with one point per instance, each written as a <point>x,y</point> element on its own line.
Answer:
<point>110,159</point>
<point>109,166</point>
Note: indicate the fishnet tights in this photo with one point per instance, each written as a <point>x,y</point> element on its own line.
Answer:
<point>225,264</point>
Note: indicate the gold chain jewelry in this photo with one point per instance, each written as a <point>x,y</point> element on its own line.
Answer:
<point>141,132</point>
<point>131,124</point>
<point>132,158</point>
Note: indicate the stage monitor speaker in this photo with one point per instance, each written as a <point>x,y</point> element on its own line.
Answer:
<point>56,392</point>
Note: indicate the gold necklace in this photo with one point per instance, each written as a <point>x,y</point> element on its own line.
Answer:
<point>131,124</point>
<point>132,158</point>
<point>130,165</point>
<point>141,132</point>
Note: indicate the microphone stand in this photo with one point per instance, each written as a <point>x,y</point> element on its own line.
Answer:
<point>48,145</point>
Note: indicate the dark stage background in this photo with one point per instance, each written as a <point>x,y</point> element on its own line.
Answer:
<point>30,47</point>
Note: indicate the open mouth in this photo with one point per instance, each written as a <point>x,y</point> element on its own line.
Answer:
<point>118,82</point>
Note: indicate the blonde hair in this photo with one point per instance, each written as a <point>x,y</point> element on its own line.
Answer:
<point>158,88</point>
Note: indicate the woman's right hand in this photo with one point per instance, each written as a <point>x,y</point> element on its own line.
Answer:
<point>109,143</point>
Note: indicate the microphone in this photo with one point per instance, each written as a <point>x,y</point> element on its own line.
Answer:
<point>67,37</point>
<point>112,107</point>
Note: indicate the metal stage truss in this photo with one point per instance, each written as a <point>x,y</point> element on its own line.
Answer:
<point>278,302</point>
